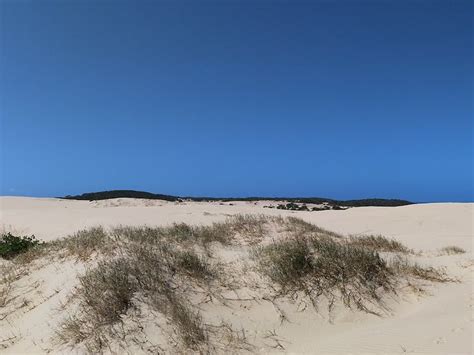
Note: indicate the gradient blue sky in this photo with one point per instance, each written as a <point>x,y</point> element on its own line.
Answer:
<point>340,99</point>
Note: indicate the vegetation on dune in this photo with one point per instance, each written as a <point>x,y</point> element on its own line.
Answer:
<point>404,268</point>
<point>326,267</point>
<point>160,271</point>
<point>11,245</point>
<point>320,264</point>
<point>293,207</point>
<point>103,195</point>
<point>378,243</point>
<point>85,242</point>
<point>155,273</point>
<point>9,273</point>
<point>452,249</point>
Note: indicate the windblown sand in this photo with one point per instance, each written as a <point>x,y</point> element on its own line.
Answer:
<point>437,320</point>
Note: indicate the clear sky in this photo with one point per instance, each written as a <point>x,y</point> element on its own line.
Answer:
<point>340,99</point>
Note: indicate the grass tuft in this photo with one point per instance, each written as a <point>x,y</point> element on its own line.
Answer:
<point>404,268</point>
<point>164,268</point>
<point>154,273</point>
<point>325,267</point>
<point>452,249</point>
<point>107,291</point>
<point>379,243</point>
<point>196,266</point>
<point>298,227</point>
<point>84,243</point>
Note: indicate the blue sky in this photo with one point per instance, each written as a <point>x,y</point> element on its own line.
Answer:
<point>340,99</point>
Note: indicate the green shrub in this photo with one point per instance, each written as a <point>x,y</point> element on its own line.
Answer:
<point>11,245</point>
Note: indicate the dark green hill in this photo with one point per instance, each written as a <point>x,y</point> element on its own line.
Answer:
<point>105,195</point>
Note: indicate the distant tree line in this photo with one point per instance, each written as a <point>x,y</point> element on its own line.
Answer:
<point>104,195</point>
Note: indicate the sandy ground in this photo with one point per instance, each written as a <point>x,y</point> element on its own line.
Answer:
<point>437,321</point>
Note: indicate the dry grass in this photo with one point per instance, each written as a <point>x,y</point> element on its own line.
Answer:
<point>164,267</point>
<point>145,268</point>
<point>9,274</point>
<point>194,265</point>
<point>298,227</point>
<point>250,227</point>
<point>452,250</point>
<point>105,294</point>
<point>181,233</point>
<point>378,243</point>
<point>402,267</point>
<point>7,277</point>
<point>108,292</point>
<point>325,267</point>
<point>84,243</point>
<point>31,255</point>
<point>322,263</point>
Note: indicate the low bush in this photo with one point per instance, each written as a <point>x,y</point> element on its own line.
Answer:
<point>11,245</point>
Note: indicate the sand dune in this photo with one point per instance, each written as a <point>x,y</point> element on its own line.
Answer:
<point>435,320</point>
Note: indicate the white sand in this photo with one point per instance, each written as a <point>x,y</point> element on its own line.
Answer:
<point>439,321</point>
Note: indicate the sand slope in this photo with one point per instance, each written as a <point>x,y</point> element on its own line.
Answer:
<point>438,321</point>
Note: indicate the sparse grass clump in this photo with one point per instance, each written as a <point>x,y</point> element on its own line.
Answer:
<point>106,291</point>
<point>378,243</point>
<point>298,227</point>
<point>194,265</point>
<point>84,243</point>
<point>404,268</point>
<point>452,249</point>
<point>11,245</point>
<point>176,233</point>
<point>105,294</point>
<point>154,273</point>
<point>321,263</point>
<point>251,227</point>
<point>285,262</point>
<point>7,277</point>
<point>248,225</point>
<point>164,270</point>
<point>188,322</point>
<point>325,267</point>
